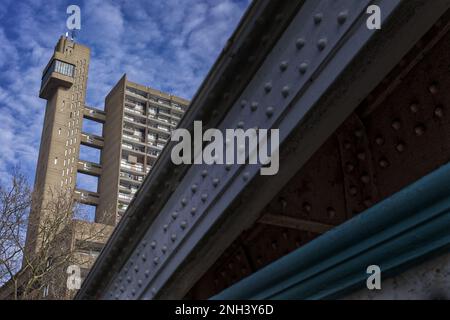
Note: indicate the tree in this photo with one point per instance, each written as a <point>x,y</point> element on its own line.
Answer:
<point>57,241</point>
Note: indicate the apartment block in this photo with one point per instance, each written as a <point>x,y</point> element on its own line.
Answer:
<point>136,124</point>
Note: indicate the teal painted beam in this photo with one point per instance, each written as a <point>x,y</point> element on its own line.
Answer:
<point>395,234</point>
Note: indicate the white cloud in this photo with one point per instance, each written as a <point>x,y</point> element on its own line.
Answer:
<point>169,45</point>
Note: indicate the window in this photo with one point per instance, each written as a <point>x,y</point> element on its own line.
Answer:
<point>56,160</point>
<point>59,67</point>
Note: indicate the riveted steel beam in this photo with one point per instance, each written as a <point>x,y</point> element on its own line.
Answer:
<point>316,58</point>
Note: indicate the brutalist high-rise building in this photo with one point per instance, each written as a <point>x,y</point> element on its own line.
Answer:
<point>137,122</point>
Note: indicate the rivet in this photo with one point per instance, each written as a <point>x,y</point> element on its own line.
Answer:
<point>156,261</point>
<point>204,173</point>
<point>400,147</point>
<point>318,18</point>
<point>300,43</point>
<point>361,156</point>
<point>136,268</point>
<point>139,283</point>
<point>433,89</point>
<point>365,179</point>
<point>193,211</point>
<point>274,245</point>
<point>246,176</point>
<point>215,182</point>
<point>331,212</point>
<point>241,124</point>
<point>144,257</point>
<point>379,140</point>
<point>439,112</point>
<point>268,87</point>
<point>322,44</point>
<point>347,145</point>
<point>184,202</point>
<point>204,197</point>
<point>303,68</point>
<point>228,167</point>
<point>194,188</point>
<point>285,91</point>
<point>129,279</point>
<point>269,112</point>
<point>349,167</point>
<point>164,249</point>
<point>384,163</point>
<point>367,203</point>
<point>253,108</point>
<point>342,17</point>
<point>165,227</point>
<point>122,289</point>
<point>173,237</point>
<point>283,66</point>
<point>396,125</point>
<point>307,207</point>
<point>243,104</point>
<point>414,107</point>
<point>419,130</point>
<point>153,244</point>
<point>183,225</point>
<point>174,215</point>
<point>147,273</point>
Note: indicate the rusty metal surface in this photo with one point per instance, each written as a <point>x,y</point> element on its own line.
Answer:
<point>400,133</point>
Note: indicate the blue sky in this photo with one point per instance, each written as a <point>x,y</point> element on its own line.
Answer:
<point>166,44</point>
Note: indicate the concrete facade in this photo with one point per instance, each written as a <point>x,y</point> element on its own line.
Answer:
<point>137,122</point>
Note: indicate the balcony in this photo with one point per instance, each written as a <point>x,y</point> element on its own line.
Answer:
<point>131,147</point>
<point>134,110</point>
<point>131,178</point>
<point>133,167</point>
<point>129,119</point>
<point>94,114</point>
<point>87,197</point>
<point>128,189</point>
<point>137,93</point>
<point>157,146</point>
<point>89,168</point>
<point>92,140</point>
<point>133,138</point>
<point>159,129</point>
<point>125,197</point>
